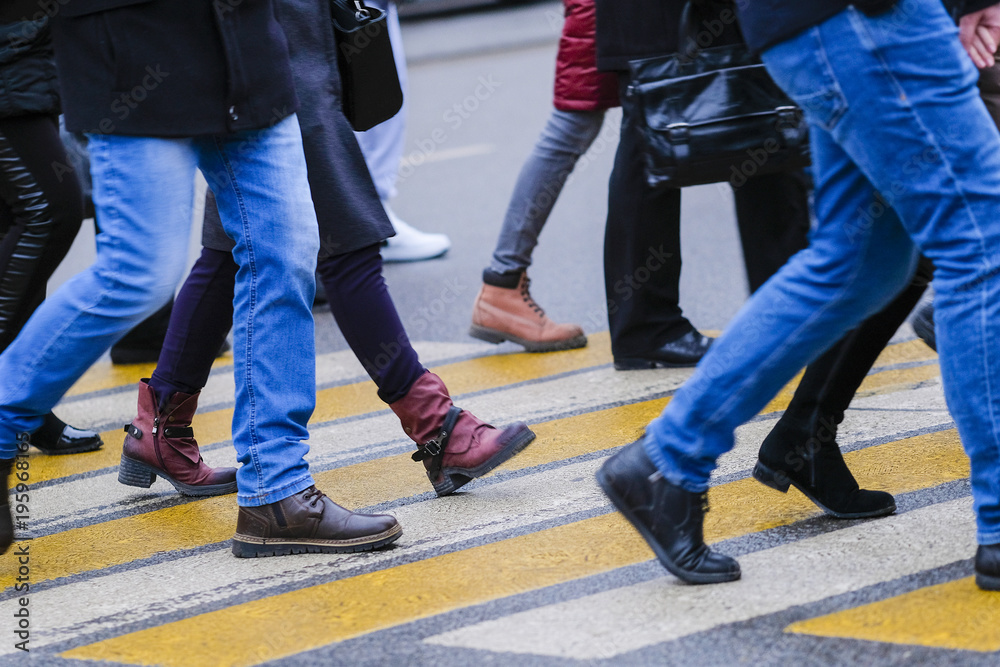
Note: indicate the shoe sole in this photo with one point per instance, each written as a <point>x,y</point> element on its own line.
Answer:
<point>89,446</point>
<point>137,473</point>
<point>496,337</point>
<point>455,478</point>
<point>246,546</point>
<point>987,582</point>
<point>638,364</point>
<point>768,478</point>
<point>686,576</point>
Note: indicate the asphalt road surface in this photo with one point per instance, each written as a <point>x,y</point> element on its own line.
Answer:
<point>528,566</point>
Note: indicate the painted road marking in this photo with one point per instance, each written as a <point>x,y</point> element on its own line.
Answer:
<point>360,605</point>
<point>953,615</point>
<point>626,619</point>
<point>364,484</point>
<point>358,398</point>
<point>462,377</point>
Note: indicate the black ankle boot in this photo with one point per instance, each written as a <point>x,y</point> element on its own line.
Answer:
<point>669,518</point>
<point>988,567</point>
<point>806,456</point>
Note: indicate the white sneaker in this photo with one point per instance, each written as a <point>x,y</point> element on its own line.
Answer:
<point>410,244</point>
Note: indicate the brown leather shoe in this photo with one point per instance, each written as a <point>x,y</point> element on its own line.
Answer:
<point>455,446</point>
<point>163,445</point>
<point>502,313</point>
<point>309,522</point>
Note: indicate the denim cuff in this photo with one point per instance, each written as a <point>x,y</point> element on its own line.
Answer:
<point>268,497</point>
<point>670,473</point>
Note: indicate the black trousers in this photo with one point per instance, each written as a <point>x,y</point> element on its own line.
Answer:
<point>41,209</point>
<point>642,245</point>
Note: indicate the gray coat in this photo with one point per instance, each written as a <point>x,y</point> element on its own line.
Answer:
<point>350,214</point>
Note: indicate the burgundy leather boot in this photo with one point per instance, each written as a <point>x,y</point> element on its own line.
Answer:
<point>454,445</point>
<point>163,445</point>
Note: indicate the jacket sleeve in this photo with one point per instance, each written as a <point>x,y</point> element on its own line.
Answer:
<point>960,8</point>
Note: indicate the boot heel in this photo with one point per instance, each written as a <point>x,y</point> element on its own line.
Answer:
<point>776,480</point>
<point>133,473</point>
<point>482,333</point>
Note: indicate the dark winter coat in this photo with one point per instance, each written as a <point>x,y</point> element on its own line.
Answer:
<point>579,86</point>
<point>172,68</point>
<point>348,209</point>
<point>28,82</point>
<point>631,29</point>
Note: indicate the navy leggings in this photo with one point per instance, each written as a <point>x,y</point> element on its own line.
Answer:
<point>359,301</point>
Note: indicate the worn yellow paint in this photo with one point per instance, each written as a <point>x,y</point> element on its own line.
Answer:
<point>353,607</point>
<point>352,399</point>
<point>954,615</point>
<point>358,485</point>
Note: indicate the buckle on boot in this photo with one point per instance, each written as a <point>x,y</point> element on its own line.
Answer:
<point>436,446</point>
<point>133,431</point>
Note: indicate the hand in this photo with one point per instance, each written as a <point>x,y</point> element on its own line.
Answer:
<point>980,35</point>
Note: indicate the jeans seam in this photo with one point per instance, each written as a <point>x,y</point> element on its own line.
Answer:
<point>834,82</point>
<point>251,306</point>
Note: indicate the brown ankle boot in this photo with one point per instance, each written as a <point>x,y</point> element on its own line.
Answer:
<point>502,313</point>
<point>454,445</point>
<point>164,445</point>
<point>309,522</point>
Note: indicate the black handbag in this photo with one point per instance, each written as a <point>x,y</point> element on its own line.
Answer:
<point>370,83</point>
<point>712,115</point>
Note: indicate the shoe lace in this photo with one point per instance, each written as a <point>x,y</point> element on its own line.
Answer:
<point>526,296</point>
<point>313,496</point>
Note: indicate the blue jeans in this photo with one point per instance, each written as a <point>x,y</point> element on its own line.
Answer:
<point>383,144</point>
<point>144,195</point>
<point>567,136</point>
<point>893,109</point>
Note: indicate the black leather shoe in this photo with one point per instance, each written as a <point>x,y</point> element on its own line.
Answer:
<point>56,437</point>
<point>684,352</point>
<point>668,517</point>
<point>988,567</point>
<point>309,522</point>
<point>808,458</point>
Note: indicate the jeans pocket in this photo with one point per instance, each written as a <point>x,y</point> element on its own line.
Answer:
<point>801,67</point>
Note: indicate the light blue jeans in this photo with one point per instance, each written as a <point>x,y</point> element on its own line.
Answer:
<point>383,144</point>
<point>567,135</point>
<point>144,195</point>
<point>893,107</point>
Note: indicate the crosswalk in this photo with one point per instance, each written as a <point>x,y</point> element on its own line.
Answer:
<point>527,563</point>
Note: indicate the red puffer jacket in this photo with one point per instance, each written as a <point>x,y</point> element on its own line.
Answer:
<point>579,86</point>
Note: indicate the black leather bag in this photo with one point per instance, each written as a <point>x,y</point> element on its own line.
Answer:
<point>369,80</point>
<point>712,115</point>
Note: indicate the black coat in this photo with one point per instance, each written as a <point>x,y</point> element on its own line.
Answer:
<point>172,68</point>
<point>630,29</point>
<point>27,69</point>
<point>348,209</point>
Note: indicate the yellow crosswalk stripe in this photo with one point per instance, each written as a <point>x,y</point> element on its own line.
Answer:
<point>354,399</point>
<point>359,605</point>
<point>381,480</point>
<point>954,615</point>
